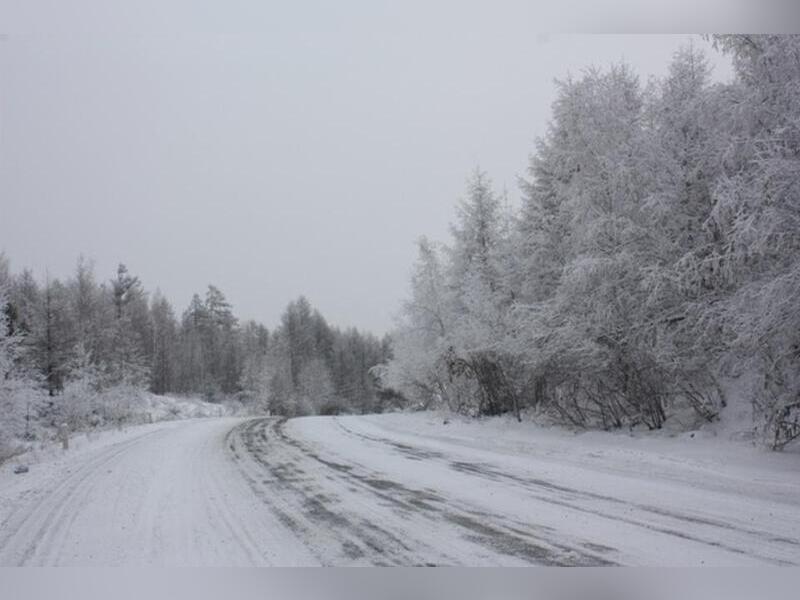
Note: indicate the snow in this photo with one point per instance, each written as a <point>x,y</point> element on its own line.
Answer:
<point>163,408</point>
<point>398,489</point>
<point>161,494</point>
<point>655,501</point>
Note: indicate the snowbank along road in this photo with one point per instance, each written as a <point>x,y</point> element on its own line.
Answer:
<point>392,490</point>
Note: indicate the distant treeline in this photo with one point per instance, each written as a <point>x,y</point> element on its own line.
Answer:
<point>90,338</point>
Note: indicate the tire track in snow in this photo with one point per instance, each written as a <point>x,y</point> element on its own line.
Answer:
<point>339,508</point>
<point>166,497</point>
<point>695,528</point>
<point>27,528</point>
<point>335,538</point>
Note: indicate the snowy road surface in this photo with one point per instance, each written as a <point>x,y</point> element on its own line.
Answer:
<point>397,490</point>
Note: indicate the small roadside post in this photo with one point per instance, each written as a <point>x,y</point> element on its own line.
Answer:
<point>63,434</point>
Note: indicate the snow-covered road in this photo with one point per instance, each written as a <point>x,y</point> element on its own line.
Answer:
<point>396,489</point>
<point>166,494</point>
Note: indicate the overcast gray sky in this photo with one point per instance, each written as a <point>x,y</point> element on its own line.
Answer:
<point>303,159</point>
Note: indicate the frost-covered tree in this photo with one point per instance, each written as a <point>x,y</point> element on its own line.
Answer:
<point>219,338</point>
<point>23,303</point>
<point>8,356</point>
<point>315,391</point>
<point>254,341</point>
<point>757,211</point>
<point>163,375</point>
<point>86,301</point>
<point>655,252</point>
<point>209,359</point>
<point>278,385</point>
<point>53,336</point>
<point>310,367</point>
<point>586,246</point>
<point>686,136</point>
<point>352,355</point>
<point>20,400</point>
<point>297,328</point>
<point>420,341</point>
<point>481,297</point>
<point>191,362</point>
<point>126,362</point>
<point>81,404</point>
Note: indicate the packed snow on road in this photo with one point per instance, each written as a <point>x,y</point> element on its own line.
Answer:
<point>398,489</point>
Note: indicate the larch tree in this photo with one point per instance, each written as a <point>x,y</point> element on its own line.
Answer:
<point>757,210</point>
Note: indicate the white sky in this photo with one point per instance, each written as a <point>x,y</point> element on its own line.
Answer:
<point>305,159</point>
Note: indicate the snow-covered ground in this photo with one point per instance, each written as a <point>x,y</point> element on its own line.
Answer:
<point>399,489</point>
<point>139,407</point>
